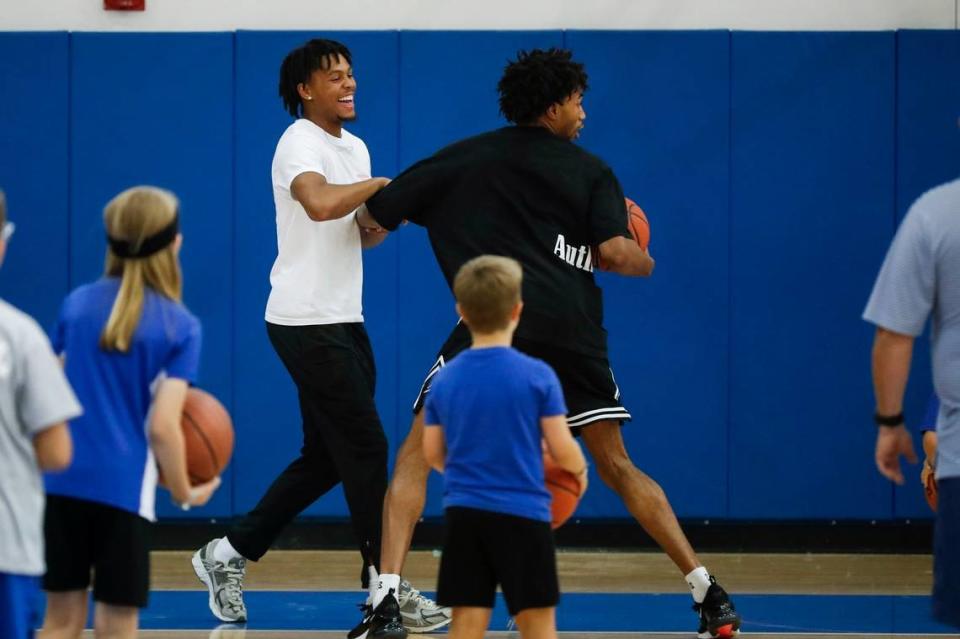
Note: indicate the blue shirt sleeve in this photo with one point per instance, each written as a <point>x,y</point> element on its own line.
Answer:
<point>551,403</point>
<point>431,401</point>
<point>57,337</point>
<point>184,359</point>
<point>930,418</point>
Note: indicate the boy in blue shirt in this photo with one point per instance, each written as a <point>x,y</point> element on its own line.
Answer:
<point>487,413</point>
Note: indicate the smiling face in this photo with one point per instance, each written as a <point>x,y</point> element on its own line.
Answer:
<point>328,96</point>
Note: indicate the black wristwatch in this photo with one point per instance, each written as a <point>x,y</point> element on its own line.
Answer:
<point>888,421</point>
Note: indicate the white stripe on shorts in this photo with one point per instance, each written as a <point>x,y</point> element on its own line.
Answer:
<point>440,363</point>
<point>596,415</point>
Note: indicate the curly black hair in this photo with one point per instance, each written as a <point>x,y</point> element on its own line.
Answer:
<point>537,80</point>
<point>301,63</point>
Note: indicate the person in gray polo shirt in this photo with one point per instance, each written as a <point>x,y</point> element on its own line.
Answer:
<point>920,278</point>
<point>35,402</point>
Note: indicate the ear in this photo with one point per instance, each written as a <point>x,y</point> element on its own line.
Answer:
<point>552,111</point>
<point>304,92</point>
<point>517,310</point>
<point>459,311</point>
<point>177,243</point>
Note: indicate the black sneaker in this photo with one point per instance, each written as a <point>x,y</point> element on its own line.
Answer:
<point>384,622</point>
<point>360,630</point>
<point>718,617</point>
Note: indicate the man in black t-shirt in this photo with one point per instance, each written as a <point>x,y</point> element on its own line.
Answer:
<point>527,192</point>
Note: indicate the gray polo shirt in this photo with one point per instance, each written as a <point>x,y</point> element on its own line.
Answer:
<point>34,395</point>
<point>920,277</point>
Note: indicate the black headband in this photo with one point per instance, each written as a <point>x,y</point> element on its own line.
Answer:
<point>153,244</point>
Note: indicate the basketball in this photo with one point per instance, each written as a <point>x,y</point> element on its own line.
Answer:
<point>929,481</point>
<point>637,224</point>
<point>564,491</point>
<point>928,477</point>
<point>207,434</point>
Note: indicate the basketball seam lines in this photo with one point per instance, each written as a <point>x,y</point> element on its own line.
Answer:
<point>203,436</point>
<point>562,487</point>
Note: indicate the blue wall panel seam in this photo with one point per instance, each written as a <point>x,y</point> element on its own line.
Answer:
<point>896,187</point>
<point>729,380</point>
<point>69,162</point>
<point>233,258</point>
<point>397,420</point>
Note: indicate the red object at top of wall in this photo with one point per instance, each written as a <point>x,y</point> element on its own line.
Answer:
<point>124,5</point>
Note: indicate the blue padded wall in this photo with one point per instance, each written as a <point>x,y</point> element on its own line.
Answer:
<point>157,109</point>
<point>34,93</point>
<point>812,179</point>
<point>774,168</point>
<point>448,91</point>
<point>266,399</point>
<point>928,154</point>
<point>658,113</point>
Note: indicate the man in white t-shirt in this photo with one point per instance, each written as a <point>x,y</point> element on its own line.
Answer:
<point>321,177</point>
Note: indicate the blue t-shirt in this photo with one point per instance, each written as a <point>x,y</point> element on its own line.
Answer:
<point>112,460</point>
<point>489,402</point>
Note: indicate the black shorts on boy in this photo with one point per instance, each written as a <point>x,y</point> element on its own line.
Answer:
<point>493,549</point>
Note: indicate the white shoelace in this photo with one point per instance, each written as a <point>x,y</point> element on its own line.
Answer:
<point>424,602</point>
<point>234,587</point>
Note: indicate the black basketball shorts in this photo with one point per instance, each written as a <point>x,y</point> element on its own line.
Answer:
<point>482,549</point>
<point>82,535</point>
<point>589,388</point>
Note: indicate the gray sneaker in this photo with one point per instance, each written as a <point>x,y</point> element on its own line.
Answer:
<point>419,613</point>
<point>224,581</point>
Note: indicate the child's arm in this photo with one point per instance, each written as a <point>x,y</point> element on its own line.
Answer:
<point>564,448</point>
<point>166,440</point>
<point>54,447</point>
<point>434,446</point>
<point>45,402</point>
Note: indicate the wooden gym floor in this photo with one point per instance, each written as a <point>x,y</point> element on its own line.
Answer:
<point>310,595</point>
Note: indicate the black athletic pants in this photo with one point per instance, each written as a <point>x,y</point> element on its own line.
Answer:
<point>343,440</point>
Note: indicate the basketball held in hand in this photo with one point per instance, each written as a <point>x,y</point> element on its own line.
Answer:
<point>564,490</point>
<point>637,224</point>
<point>207,436</point>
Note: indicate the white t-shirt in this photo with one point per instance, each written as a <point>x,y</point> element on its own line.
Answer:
<point>317,277</point>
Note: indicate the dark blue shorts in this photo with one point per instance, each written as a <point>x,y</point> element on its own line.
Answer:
<point>19,606</point>
<point>946,553</point>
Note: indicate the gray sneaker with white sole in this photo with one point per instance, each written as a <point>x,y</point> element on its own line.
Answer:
<point>224,582</point>
<point>419,613</point>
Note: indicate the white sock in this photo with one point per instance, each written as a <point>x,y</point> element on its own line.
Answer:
<point>699,582</point>
<point>373,580</point>
<point>386,583</point>
<point>224,551</point>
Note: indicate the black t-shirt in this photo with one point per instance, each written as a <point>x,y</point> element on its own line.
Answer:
<point>524,193</point>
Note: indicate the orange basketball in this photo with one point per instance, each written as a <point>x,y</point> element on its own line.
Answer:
<point>927,476</point>
<point>929,480</point>
<point>207,434</point>
<point>637,224</point>
<point>564,489</point>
